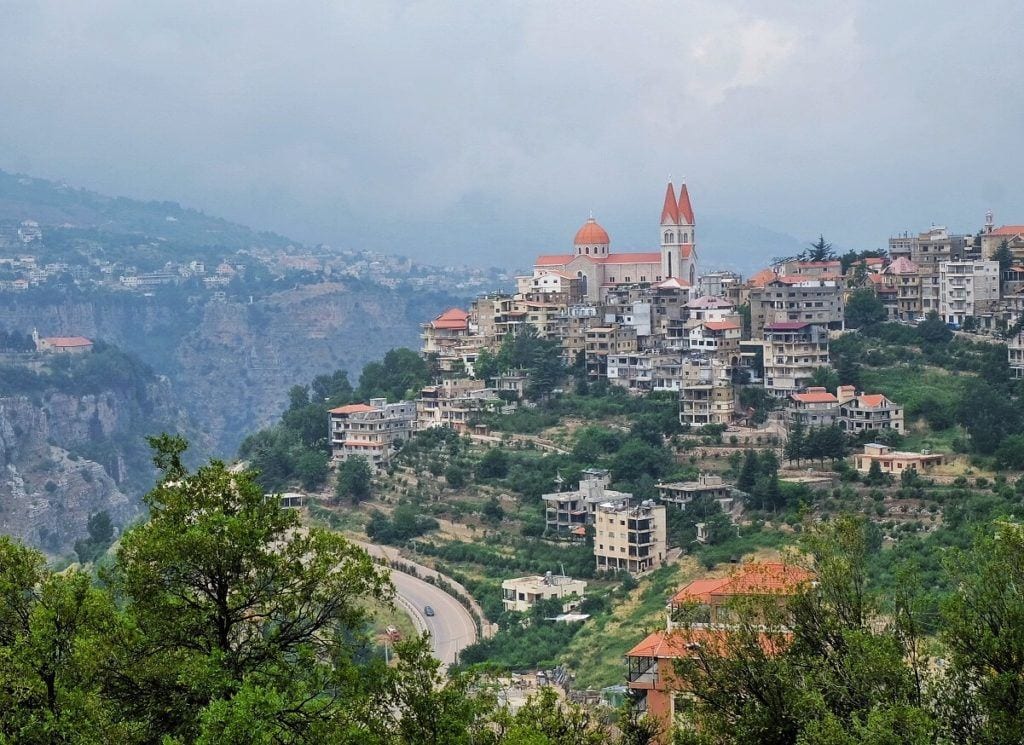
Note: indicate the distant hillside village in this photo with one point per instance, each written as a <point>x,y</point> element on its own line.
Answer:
<point>31,255</point>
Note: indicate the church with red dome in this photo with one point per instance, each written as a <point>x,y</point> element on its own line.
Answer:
<point>600,270</point>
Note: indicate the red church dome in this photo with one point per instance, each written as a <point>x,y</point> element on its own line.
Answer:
<point>591,234</point>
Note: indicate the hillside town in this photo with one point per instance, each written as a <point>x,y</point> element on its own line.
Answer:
<point>31,257</point>
<point>746,359</point>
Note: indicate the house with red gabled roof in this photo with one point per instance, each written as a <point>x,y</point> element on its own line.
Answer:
<point>599,269</point>
<point>814,407</point>
<point>61,344</point>
<point>993,238</point>
<point>700,621</point>
<point>373,430</point>
<point>869,412</point>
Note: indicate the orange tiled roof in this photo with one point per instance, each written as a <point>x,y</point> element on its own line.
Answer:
<point>653,257</point>
<point>762,278</point>
<point>673,283</point>
<point>901,265</point>
<point>721,325</point>
<point>684,642</point>
<point>68,341</point>
<point>873,400</point>
<point>815,397</point>
<point>352,409</point>
<point>453,318</point>
<point>590,234</point>
<point>553,259</point>
<point>755,578</point>
<point>1009,230</point>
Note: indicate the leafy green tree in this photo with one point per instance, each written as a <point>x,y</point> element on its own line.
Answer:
<point>101,534</point>
<point>55,636</point>
<point>355,480</point>
<point>636,458</point>
<point>864,309</point>
<point>983,626</point>
<point>228,598</point>
<point>400,374</point>
<point>494,464</point>
<point>933,330</point>
<point>825,377</point>
<point>875,475</point>
<point>1010,453</point>
<point>987,418</point>
<point>455,476</point>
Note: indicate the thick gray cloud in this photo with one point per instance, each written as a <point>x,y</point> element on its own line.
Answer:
<point>459,130</point>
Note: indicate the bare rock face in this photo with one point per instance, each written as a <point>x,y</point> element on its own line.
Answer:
<point>47,491</point>
<point>231,362</point>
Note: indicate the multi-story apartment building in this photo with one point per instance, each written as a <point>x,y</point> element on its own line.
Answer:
<point>815,407</point>
<point>629,537</point>
<point>930,249</point>
<point>707,395</point>
<point>640,372</point>
<point>716,338</point>
<point>967,289</point>
<point>793,350</point>
<point>455,403</point>
<point>373,431</point>
<point>569,512</point>
<point>869,412</point>
<point>796,299</point>
<point>520,594</point>
<point>718,284</point>
<point>601,341</point>
<point>906,279</point>
<point>709,308</point>
<point>1015,351</point>
<point>681,493</point>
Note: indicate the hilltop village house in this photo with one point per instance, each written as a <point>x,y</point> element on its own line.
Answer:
<point>61,344</point>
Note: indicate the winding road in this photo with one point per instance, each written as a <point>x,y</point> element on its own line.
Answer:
<point>451,628</point>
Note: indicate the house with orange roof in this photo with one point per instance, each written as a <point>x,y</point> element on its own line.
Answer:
<point>992,238</point>
<point>599,269</point>
<point>906,278</point>
<point>814,407</point>
<point>61,344</point>
<point>699,622</point>
<point>896,462</point>
<point>373,431</point>
<point>869,412</point>
<point>713,337</point>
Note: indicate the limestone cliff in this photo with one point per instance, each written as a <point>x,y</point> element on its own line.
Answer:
<point>230,362</point>
<point>64,457</point>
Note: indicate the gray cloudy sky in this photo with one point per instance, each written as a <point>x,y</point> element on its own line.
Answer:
<point>487,131</point>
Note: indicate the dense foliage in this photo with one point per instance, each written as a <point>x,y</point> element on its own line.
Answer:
<point>218,621</point>
<point>839,663</point>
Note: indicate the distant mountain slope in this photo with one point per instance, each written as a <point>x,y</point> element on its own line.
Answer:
<point>54,204</point>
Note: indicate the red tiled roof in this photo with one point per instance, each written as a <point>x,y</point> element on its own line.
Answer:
<point>901,265</point>
<point>684,642</point>
<point>673,283</point>
<point>590,234</point>
<point>755,578</point>
<point>721,325</point>
<point>1009,230</point>
<point>685,210</point>
<point>762,278</point>
<point>873,400</point>
<point>815,397</point>
<point>553,259</point>
<point>352,409</point>
<point>653,257</point>
<point>670,212</point>
<point>453,318</point>
<point>68,341</point>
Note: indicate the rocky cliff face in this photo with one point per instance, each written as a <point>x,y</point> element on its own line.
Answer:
<point>64,458</point>
<point>231,363</point>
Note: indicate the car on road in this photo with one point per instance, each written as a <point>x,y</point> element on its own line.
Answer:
<point>428,610</point>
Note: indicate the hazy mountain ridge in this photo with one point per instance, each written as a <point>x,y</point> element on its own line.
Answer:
<point>55,204</point>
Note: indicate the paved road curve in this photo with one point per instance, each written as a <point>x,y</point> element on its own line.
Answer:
<point>451,628</point>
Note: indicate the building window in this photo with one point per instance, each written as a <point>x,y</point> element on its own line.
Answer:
<point>668,236</point>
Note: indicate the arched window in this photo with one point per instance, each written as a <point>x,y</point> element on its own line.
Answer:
<point>583,282</point>
<point>668,236</point>
<point>588,250</point>
<point>692,273</point>
<point>686,237</point>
